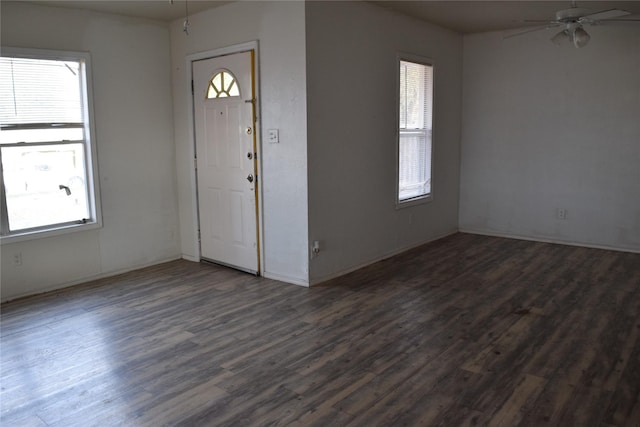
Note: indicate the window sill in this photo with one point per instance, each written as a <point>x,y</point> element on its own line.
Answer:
<point>414,201</point>
<point>42,234</point>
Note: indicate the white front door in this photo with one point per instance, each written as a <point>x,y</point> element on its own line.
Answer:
<point>224,101</point>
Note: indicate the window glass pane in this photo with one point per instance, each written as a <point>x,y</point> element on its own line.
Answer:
<point>44,184</point>
<point>403,95</point>
<point>415,95</point>
<point>228,81</point>
<point>415,165</point>
<point>234,91</point>
<point>40,91</point>
<point>211,93</point>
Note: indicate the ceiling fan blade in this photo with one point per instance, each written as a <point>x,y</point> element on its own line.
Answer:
<point>609,21</point>
<point>528,30</point>
<point>604,14</point>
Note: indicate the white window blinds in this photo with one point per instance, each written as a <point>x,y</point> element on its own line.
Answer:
<point>40,100</point>
<point>415,95</point>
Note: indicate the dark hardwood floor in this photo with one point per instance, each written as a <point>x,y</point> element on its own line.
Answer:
<point>468,330</point>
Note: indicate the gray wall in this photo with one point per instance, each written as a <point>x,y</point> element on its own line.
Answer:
<point>548,127</point>
<point>136,157</point>
<point>279,28</point>
<point>542,128</point>
<point>352,52</point>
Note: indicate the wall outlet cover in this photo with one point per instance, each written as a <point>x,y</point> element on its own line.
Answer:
<point>273,136</point>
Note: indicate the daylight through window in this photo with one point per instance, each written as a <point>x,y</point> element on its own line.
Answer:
<point>223,85</point>
<point>45,144</point>
<point>415,131</point>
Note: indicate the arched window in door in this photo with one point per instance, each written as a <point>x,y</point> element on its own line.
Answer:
<point>223,85</point>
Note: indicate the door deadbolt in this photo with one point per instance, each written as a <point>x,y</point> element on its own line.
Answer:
<point>249,131</point>
<point>250,178</point>
<point>249,156</point>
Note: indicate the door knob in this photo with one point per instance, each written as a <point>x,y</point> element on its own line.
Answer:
<point>250,178</point>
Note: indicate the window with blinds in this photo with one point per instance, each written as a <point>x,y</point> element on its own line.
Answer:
<point>45,142</point>
<point>415,131</point>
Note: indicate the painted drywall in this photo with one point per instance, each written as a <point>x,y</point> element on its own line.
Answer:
<point>352,50</point>
<point>136,156</point>
<point>279,29</point>
<point>548,128</point>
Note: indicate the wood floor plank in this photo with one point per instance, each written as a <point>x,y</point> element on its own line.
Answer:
<point>174,409</point>
<point>624,406</point>
<point>467,330</point>
<point>525,392</point>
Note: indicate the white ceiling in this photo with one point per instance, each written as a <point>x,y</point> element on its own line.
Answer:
<point>162,10</point>
<point>467,16</point>
<point>479,15</point>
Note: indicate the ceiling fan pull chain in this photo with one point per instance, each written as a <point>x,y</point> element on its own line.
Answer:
<point>185,25</point>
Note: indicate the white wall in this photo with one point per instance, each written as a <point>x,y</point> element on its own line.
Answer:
<point>279,29</point>
<point>546,127</point>
<point>352,65</point>
<point>136,157</point>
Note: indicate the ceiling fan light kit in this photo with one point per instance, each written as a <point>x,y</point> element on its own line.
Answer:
<point>577,35</point>
<point>580,37</point>
<point>561,38</point>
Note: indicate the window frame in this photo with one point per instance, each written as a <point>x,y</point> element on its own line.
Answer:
<point>90,153</point>
<point>425,198</point>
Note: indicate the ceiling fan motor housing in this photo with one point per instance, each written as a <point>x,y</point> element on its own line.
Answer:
<point>568,16</point>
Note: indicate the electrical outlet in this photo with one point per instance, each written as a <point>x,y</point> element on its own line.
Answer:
<point>315,248</point>
<point>17,259</point>
<point>273,136</point>
<point>561,213</point>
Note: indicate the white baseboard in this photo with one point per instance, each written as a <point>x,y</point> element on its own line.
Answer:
<point>266,274</point>
<point>549,240</point>
<point>285,278</point>
<point>91,278</point>
<point>380,258</point>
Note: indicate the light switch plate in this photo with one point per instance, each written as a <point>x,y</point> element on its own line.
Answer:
<point>272,136</point>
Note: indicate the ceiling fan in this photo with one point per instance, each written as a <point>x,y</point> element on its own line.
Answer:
<point>572,22</point>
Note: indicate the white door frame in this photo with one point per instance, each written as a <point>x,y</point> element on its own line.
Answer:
<point>243,47</point>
